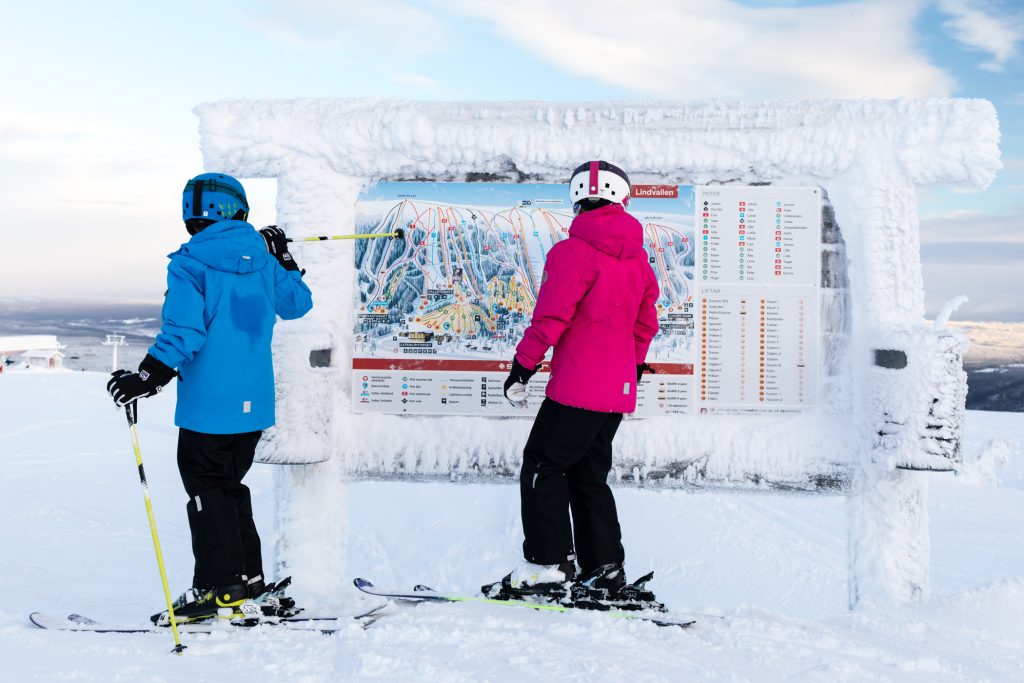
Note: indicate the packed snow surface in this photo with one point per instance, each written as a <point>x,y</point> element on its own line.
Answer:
<point>74,538</point>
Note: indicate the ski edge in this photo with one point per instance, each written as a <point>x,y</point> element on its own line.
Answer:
<point>51,623</point>
<point>80,623</point>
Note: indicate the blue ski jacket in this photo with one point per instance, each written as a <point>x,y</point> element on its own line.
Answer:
<point>223,292</point>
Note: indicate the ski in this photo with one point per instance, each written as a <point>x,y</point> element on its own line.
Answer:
<point>326,624</point>
<point>423,593</point>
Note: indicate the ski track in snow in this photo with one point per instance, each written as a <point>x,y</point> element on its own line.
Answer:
<point>74,539</point>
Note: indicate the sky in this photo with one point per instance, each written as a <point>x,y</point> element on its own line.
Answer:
<point>97,136</point>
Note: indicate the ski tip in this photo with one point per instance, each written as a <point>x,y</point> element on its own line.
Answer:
<point>45,620</point>
<point>361,583</point>
<point>678,624</point>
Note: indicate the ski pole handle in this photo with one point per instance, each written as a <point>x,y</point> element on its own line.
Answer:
<point>398,234</point>
<point>131,411</point>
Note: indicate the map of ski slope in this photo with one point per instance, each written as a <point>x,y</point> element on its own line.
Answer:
<point>463,281</point>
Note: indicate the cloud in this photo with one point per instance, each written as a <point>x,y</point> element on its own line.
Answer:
<point>991,289</point>
<point>415,80</point>
<point>24,135</point>
<point>69,160</point>
<point>721,48</point>
<point>979,26</point>
<point>97,200</point>
<point>974,253</point>
<point>977,253</point>
<point>962,226</point>
<point>352,27</point>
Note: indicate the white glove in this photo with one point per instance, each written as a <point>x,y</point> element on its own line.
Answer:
<point>516,395</point>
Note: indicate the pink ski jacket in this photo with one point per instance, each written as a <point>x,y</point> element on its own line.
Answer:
<point>596,306</point>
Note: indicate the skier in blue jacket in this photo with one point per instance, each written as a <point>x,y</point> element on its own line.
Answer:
<point>225,288</point>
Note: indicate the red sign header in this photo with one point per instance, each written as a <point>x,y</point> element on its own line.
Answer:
<point>654,191</point>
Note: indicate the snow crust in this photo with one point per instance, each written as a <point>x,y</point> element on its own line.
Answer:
<point>921,407</point>
<point>985,466</point>
<point>931,141</point>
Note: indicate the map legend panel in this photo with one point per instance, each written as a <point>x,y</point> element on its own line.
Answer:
<point>759,235</point>
<point>758,350</point>
<point>431,387</point>
<point>759,271</point>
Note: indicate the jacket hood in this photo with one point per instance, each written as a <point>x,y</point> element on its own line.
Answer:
<point>229,246</point>
<point>611,230</point>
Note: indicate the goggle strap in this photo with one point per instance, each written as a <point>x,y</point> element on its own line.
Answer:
<point>197,197</point>
<point>197,187</point>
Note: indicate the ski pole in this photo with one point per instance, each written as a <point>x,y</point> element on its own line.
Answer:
<point>131,412</point>
<point>398,233</point>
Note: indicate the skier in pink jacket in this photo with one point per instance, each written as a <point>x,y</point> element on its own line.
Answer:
<point>596,307</point>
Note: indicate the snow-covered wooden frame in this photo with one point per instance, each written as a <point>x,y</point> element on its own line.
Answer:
<point>870,156</point>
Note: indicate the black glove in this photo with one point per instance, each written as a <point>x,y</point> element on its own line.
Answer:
<point>125,387</point>
<point>641,369</point>
<point>518,375</point>
<point>277,245</point>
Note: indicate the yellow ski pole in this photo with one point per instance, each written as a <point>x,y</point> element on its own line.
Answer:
<point>131,412</point>
<point>398,234</point>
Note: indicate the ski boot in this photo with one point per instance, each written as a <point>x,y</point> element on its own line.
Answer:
<point>528,580</point>
<point>605,588</point>
<point>203,604</point>
<point>271,598</point>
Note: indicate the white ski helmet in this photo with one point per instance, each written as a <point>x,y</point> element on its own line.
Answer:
<point>599,180</point>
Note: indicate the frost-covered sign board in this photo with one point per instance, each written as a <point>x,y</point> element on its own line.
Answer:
<point>440,311</point>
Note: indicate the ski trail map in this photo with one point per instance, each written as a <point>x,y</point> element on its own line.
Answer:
<point>439,312</point>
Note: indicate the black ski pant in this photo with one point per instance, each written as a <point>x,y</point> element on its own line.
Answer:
<point>565,466</point>
<point>225,543</point>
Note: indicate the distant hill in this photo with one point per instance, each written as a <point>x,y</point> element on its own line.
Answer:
<point>995,365</point>
<point>82,325</point>
<point>992,344</point>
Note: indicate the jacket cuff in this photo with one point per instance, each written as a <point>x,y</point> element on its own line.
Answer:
<point>159,371</point>
<point>525,360</point>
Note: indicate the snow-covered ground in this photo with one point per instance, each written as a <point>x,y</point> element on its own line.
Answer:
<point>73,538</point>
